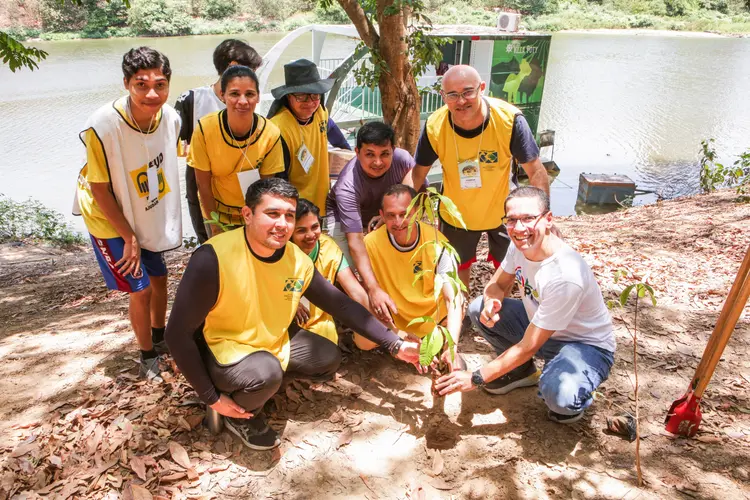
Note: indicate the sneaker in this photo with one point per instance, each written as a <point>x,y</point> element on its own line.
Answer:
<point>254,432</point>
<point>150,370</point>
<point>564,419</point>
<point>161,347</point>
<point>524,376</point>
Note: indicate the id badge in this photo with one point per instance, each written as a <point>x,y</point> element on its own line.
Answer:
<point>152,175</point>
<point>247,178</point>
<point>305,302</point>
<point>305,158</point>
<point>470,174</point>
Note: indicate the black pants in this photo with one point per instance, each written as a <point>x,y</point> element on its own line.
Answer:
<point>257,377</point>
<point>194,205</point>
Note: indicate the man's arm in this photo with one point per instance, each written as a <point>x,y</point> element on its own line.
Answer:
<point>424,157</point>
<point>336,137</point>
<point>537,174</point>
<point>196,296</point>
<point>416,176</point>
<point>352,287</point>
<point>329,298</point>
<point>525,150</point>
<point>381,303</point>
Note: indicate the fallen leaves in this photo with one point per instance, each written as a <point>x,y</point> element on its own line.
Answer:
<point>437,463</point>
<point>179,454</point>
<point>344,438</point>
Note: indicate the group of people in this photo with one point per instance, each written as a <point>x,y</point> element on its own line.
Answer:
<point>284,257</point>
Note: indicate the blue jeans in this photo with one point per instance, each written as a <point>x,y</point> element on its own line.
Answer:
<point>572,370</point>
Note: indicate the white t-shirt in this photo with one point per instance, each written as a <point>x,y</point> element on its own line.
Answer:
<point>560,293</point>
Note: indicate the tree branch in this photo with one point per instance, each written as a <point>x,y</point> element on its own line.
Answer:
<point>362,22</point>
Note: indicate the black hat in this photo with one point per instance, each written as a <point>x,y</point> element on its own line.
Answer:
<point>301,76</point>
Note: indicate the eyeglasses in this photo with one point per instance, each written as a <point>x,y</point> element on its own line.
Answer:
<point>466,94</point>
<point>526,220</point>
<point>306,97</point>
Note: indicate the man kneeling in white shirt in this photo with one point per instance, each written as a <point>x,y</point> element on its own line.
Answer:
<point>561,318</point>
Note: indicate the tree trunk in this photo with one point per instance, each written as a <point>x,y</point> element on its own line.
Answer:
<point>398,88</point>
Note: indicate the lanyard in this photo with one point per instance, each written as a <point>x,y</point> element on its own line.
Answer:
<point>455,143</point>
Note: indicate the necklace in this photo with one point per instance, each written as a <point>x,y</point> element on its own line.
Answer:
<point>247,144</point>
<point>151,173</point>
<point>455,143</point>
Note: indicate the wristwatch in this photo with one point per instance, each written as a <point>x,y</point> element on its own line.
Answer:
<point>396,347</point>
<point>477,379</point>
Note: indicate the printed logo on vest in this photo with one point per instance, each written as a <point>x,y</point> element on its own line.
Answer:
<point>140,178</point>
<point>322,126</point>
<point>488,156</point>
<point>417,266</point>
<point>293,285</point>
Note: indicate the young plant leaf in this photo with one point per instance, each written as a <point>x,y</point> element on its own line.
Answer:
<point>625,295</point>
<point>420,320</point>
<point>431,345</point>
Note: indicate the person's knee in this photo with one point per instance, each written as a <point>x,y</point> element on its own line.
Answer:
<point>363,344</point>
<point>475,310</point>
<point>330,360</point>
<point>564,395</point>
<point>141,296</point>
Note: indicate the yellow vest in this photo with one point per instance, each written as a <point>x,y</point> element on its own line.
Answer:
<point>327,263</point>
<point>257,300</point>
<point>481,208</point>
<point>314,184</point>
<point>213,149</point>
<point>395,271</point>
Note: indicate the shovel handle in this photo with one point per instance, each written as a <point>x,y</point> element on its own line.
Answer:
<point>735,303</point>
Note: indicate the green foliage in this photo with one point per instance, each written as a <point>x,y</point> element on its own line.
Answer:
<point>160,17</point>
<point>16,55</point>
<point>333,14</point>
<point>62,15</point>
<point>280,10</point>
<point>534,7</point>
<point>424,207</point>
<point>715,175</point>
<point>222,27</point>
<point>104,17</point>
<point>30,220</point>
<point>219,9</point>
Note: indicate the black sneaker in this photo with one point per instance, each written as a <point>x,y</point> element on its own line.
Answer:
<point>564,419</point>
<point>254,432</point>
<point>161,347</point>
<point>524,376</point>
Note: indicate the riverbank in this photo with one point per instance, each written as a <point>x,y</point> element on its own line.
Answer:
<point>73,421</point>
<point>591,17</point>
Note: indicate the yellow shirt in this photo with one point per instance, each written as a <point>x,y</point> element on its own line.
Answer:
<point>96,169</point>
<point>395,271</point>
<point>213,149</point>
<point>481,208</point>
<point>257,300</point>
<point>313,184</point>
<point>328,262</point>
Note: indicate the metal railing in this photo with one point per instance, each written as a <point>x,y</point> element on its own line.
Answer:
<point>355,103</point>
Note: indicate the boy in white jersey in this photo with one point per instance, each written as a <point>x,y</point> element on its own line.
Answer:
<point>561,319</point>
<point>201,101</point>
<point>129,195</point>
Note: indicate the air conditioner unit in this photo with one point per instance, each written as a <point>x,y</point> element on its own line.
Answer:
<point>508,21</point>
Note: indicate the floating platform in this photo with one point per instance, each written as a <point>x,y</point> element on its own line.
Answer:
<point>605,189</point>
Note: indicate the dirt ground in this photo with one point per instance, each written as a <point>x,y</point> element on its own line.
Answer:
<point>75,422</point>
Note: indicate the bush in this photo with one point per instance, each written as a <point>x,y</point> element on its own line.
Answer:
<point>159,17</point>
<point>58,16</point>
<point>103,16</point>
<point>219,9</point>
<point>717,5</point>
<point>218,27</point>
<point>30,220</point>
<point>332,15</point>
<point>534,7</point>
<point>677,8</point>
<point>281,10</point>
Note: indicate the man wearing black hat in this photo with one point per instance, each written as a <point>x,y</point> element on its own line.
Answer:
<point>306,129</point>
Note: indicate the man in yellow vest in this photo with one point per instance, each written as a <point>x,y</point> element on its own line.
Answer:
<point>231,331</point>
<point>306,129</point>
<point>397,253</point>
<point>475,138</point>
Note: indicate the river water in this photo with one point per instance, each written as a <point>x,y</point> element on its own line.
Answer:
<point>620,103</point>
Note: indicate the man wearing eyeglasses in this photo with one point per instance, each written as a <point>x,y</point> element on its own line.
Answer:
<point>561,318</point>
<point>475,137</point>
<point>306,130</point>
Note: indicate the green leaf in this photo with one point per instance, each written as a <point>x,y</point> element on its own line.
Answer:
<point>420,275</point>
<point>625,295</point>
<point>431,345</point>
<point>613,304</point>
<point>420,320</point>
<point>640,290</point>
<point>451,343</point>
<point>439,281</point>
<point>452,209</point>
